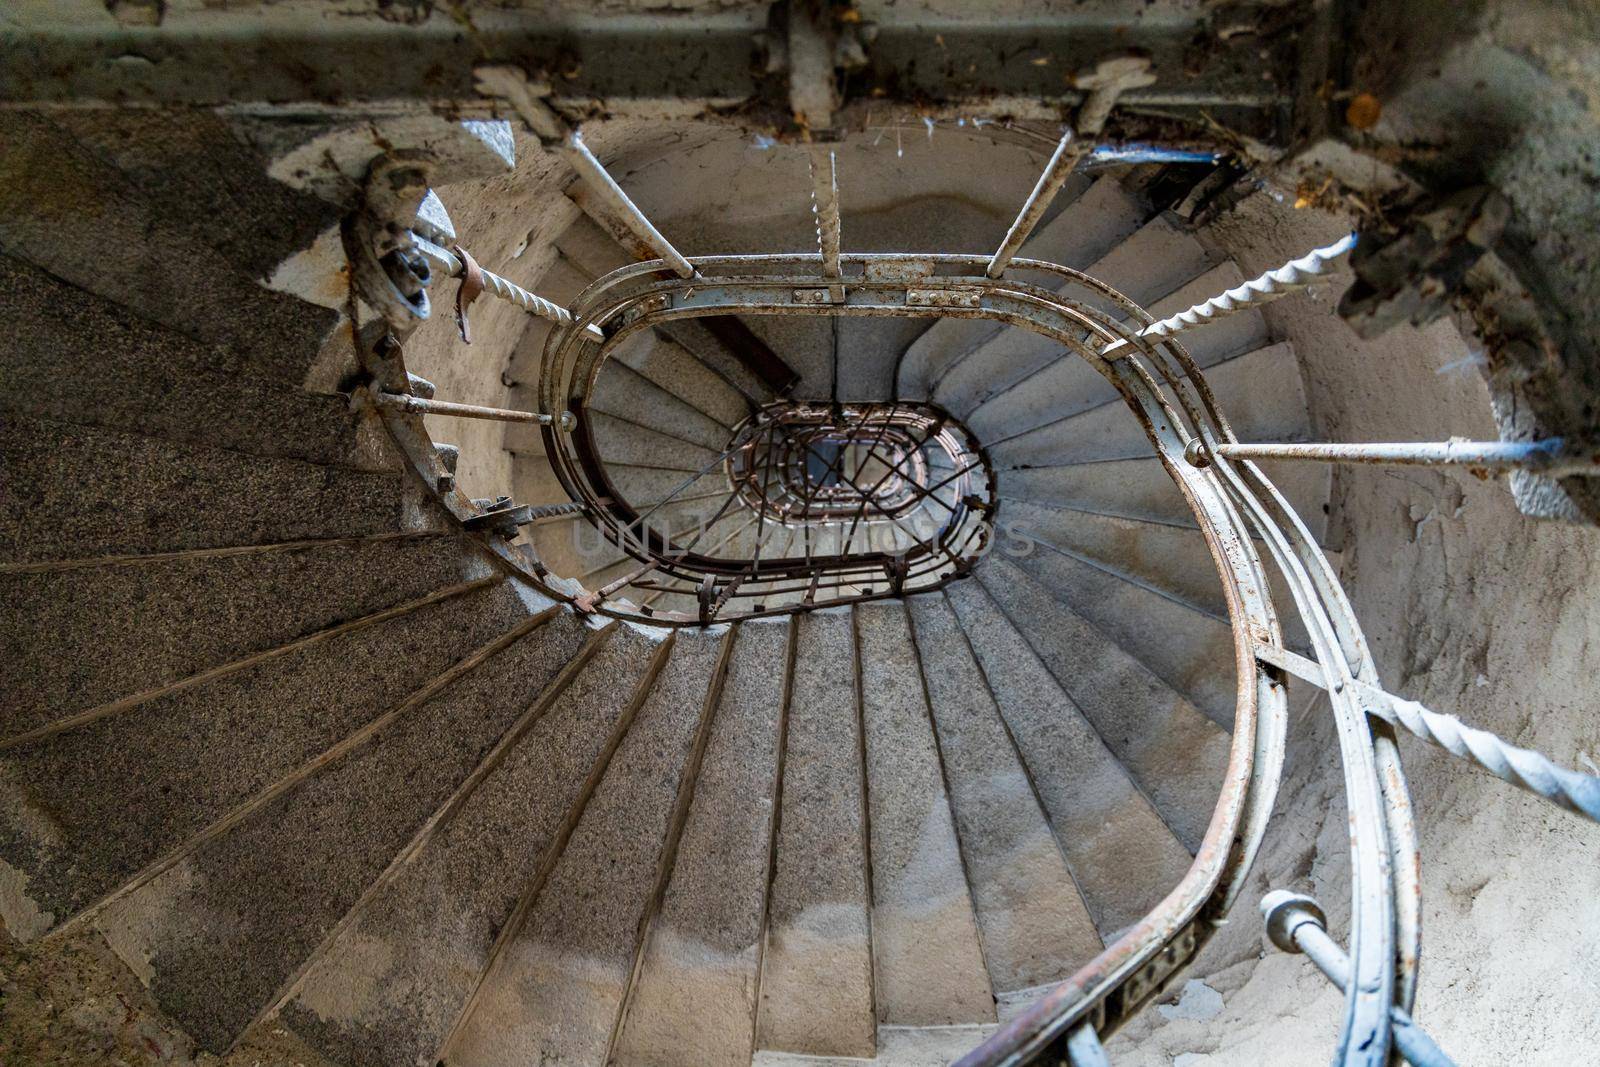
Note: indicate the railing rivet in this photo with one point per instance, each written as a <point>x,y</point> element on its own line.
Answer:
<point>1197,455</point>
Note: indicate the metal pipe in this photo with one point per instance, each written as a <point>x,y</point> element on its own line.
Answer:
<point>1296,924</point>
<point>589,169</point>
<point>1550,456</point>
<point>825,207</point>
<point>416,405</point>
<point>1289,278</point>
<point>1068,151</point>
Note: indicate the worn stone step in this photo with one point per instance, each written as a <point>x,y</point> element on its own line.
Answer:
<point>168,258</point>
<point>693,1003</point>
<point>81,637</point>
<point>1141,488</point>
<point>75,492</point>
<point>555,991</point>
<point>927,957</point>
<point>1060,385</point>
<point>1122,855</point>
<point>1147,265</point>
<point>816,979</point>
<point>392,985</point>
<point>589,249</point>
<point>88,809</point>
<point>1189,649</point>
<point>620,441</point>
<point>272,887</point>
<point>676,370</point>
<point>1096,219</point>
<point>75,357</point>
<point>623,393</point>
<point>1170,559</point>
<point>1260,393</point>
<point>1034,923</point>
<point>1169,747</point>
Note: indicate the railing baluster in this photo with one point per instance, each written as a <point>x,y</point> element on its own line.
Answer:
<point>605,186</point>
<point>825,206</point>
<point>1522,767</point>
<point>1274,284</point>
<point>1295,923</point>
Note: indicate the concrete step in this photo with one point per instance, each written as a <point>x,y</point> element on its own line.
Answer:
<point>1170,559</point>
<point>620,441</point>
<point>392,985</point>
<point>672,367</point>
<point>592,251</point>
<point>555,991</point>
<point>816,978</point>
<point>114,631</point>
<point>1092,223</point>
<point>1259,392</point>
<point>693,1003</point>
<point>165,241</point>
<point>1034,923</point>
<point>1189,649</point>
<point>274,885</point>
<point>1168,746</point>
<point>1149,264</point>
<point>642,485</point>
<point>77,492</point>
<point>1059,385</point>
<point>626,394</point>
<point>898,1046</point>
<point>127,788</point>
<point>1142,489</point>
<point>74,357</point>
<point>1122,856</point>
<point>928,960</point>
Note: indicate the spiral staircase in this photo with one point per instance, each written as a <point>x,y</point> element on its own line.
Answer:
<point>347,759</point>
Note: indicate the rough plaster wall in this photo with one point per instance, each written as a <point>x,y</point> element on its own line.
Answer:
<point>509,225</point>
<point>1471,608</point>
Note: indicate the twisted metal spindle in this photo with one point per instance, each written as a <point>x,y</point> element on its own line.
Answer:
<point>1538,774</point>
<point>1291,277</point>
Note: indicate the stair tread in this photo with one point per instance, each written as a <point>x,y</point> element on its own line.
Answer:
<point>1259,391</point>
<point>898,1046</point>
<point>394,984</point>
<point>1096,218</point>
<point>79,492</point>
<point>928,960</point>
<point>555,992</point>
<point>1034,923</point>
<point>1180,765</point>
<point>816,980</point>
<point>75,357</point>
<point>1141,489</point>
<point>271,888</point>
<point>693,1003</point>
<point>119,630</point>
<point>1174,560</point>
<point>132,786</point>
<point>150,253</point>
<point>625,394</point>
<point>1122,855</point>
